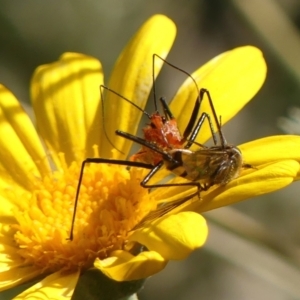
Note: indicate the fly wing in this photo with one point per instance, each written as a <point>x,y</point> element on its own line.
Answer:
<point>163,210</point>
<point>201,165</point>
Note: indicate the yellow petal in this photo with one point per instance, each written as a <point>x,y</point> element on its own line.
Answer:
<point>123,266</point>
<point>65,96</point>
<point>268,179</point>
<point>6,205</point>
<point>132,78</point>
<point>272,148</point>
<point>21,152</point>
<point>9,258</point>
<point>174,236</point>
<point>232,78</point>
<point>7,242</point>
<point>16,276</point>
<point>55,287</point>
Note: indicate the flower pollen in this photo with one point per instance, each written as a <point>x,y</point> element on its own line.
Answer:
<point>110,204</point>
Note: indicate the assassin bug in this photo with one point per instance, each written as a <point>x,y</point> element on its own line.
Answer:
<point>210,165</point>
<point>165,132</point>
<point>162,130</point>
<point>204,167</point>
<point>163,145</point>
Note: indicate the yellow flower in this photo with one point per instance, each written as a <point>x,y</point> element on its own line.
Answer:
<point>38,186</point>
<point>39,177</point>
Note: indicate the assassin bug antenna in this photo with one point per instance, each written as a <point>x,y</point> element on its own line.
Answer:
<point>198,101</point>
<point>103,87</point>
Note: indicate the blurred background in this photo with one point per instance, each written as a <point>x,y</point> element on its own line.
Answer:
<point>253,248</point>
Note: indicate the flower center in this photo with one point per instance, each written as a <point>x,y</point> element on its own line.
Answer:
<point>111,203</point>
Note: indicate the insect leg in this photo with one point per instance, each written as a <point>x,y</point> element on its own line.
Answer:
<point>145,143</point>
<point>219,127</point>
<point>196,108</point>
<point>155,169</point>
<point>167,112</point>
<point>98,160</point>
<point>197,129</point>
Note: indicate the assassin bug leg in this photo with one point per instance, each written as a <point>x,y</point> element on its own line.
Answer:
<point>100,161</point>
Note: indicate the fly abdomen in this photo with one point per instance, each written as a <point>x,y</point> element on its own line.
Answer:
<point>188,164</point>
<point>176,166</point>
